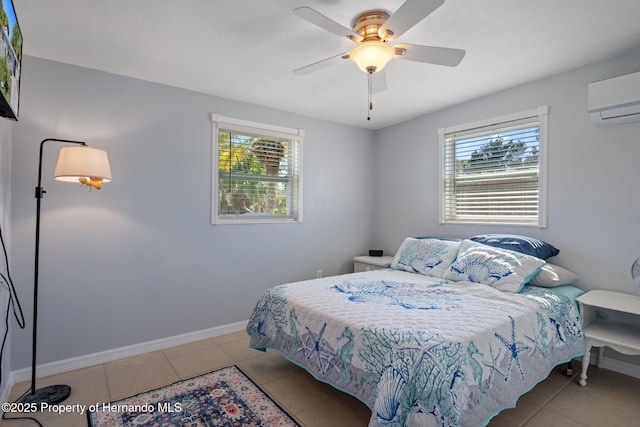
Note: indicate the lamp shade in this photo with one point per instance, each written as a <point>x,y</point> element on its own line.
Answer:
<point>371,56</point>
<point>79,162</point>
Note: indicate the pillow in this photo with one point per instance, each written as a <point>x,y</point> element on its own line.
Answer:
<point>430,257</point>
<point>552,275</point>
<point>523,244</point>
<point>451,239</point>
<point>502,269</point>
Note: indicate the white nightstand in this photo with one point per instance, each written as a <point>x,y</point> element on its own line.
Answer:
<point>621,336</point>
<point>368,263</point>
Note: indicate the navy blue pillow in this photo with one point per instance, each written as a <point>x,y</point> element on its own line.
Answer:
<point>522,244</point>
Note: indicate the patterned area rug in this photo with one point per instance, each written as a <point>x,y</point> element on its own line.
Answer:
<point>225,397</point>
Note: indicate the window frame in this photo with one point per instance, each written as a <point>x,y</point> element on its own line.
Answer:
<point>259,129</point>
<point>542,114</point>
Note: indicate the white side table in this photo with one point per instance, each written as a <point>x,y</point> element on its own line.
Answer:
<point>368,263</point>
<point>623,337</point>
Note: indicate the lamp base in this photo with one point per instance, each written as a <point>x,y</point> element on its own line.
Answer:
<point>51,395</point>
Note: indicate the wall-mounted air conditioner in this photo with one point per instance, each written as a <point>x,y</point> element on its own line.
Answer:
<point>615,100</point>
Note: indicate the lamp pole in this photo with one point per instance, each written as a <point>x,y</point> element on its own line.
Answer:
<point>55,393</point>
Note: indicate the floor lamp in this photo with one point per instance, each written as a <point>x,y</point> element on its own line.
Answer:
<point>80,164</point>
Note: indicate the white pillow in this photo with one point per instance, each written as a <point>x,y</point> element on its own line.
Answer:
<point>502,269</point>
<point>552,275</point>
<point>430,257</point>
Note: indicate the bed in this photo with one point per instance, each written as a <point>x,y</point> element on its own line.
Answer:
<point>450,335</point>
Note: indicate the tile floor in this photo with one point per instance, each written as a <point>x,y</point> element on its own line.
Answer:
<point>610,399</point>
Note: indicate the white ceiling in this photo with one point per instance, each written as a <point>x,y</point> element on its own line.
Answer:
<point>246,49</point>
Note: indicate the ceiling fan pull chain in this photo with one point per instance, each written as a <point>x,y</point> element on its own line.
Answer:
<point>370,90</point>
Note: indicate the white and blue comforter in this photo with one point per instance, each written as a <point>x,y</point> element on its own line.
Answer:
<point>419,351</point>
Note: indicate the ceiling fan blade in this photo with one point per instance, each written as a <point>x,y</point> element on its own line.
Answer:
<point>379,82</point>
<point>316,18</point>
<point>320,64</point>
<point>408,15</point>
<point>429,54</point>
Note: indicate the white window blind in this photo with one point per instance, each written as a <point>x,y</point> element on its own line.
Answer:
<point>492,171</point>
<point>257,172</point>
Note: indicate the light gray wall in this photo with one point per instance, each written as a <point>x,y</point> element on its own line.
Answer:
<point>593,198</point>
<point>5,221</point>
<point>138,260</point>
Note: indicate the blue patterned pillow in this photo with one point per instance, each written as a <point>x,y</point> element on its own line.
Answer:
<point>430,257</point>
<point>499,268</point>
<point>526,245</point>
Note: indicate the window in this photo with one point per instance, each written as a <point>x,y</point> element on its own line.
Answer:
<point>257,172</point>
<point>494,171</point>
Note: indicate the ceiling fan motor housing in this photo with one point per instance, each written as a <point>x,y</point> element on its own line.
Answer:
<point>368,24</point>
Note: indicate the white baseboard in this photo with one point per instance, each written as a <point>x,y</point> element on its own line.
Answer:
<point>615,365</point>
<point>122,352</point>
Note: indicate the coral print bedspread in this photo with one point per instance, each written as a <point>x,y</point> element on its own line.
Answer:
<point>419,350</point>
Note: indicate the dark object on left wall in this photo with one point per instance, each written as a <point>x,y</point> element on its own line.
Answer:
<point>11,64</point>
<point>375,252</point>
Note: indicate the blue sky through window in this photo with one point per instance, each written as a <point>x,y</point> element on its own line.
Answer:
<point>8,9</point>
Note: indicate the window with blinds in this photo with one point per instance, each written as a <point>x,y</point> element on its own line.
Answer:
<point>257,172</point>
<point>493,171</point>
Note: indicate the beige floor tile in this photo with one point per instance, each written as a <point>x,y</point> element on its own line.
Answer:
<point>70,420</point>
<point>339,410</point>
<point>90,371</point>
<point>268,367</point>
<point>544,391</point>
<point>235,336</point>
<point>583,407</point>
<point>239,350</point>
<point>19,389</point>
<point>195,346</point>
<point>619,388</point>
<point>517,416</point>
<point>125,380</point>
<point>141,359</point>
<point>8,422</point>
<point>547,418</point>
<point>200,358</point>
<point>297,392</point>
<point>89,391</point>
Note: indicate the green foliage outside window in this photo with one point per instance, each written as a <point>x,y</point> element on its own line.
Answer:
<point>500,153</point>
<point>253,174</point>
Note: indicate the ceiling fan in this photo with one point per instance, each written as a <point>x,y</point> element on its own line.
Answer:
<point>372,31</point>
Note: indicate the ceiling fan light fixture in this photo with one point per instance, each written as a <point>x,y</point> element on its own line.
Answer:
<point>371,56</point>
